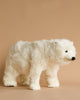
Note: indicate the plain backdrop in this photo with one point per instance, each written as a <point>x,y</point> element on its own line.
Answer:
<point>31,20</point>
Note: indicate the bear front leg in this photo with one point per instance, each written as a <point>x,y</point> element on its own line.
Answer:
<point>52,77</point>
<point>35,73</point>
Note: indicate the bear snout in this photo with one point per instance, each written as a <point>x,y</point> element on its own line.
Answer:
<point>73,58</point>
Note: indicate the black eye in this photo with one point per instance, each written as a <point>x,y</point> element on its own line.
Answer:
<point>66,51</point>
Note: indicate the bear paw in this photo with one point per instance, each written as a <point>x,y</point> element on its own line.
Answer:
<point>10,83</point>
<point>34,87</point>
<point>54,84</point>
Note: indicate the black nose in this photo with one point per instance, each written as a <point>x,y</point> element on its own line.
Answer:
<point>73,58</point>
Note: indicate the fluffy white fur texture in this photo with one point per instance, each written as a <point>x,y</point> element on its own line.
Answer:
<point>31,58</point>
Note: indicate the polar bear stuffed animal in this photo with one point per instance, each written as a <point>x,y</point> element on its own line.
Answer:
<point>31,58</point>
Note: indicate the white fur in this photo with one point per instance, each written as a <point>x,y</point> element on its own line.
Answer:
<point>31,58</point>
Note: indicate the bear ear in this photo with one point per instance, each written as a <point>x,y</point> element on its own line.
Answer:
<point>56,42</point>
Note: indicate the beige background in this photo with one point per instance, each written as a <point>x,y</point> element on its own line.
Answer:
<point>35,20</point>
